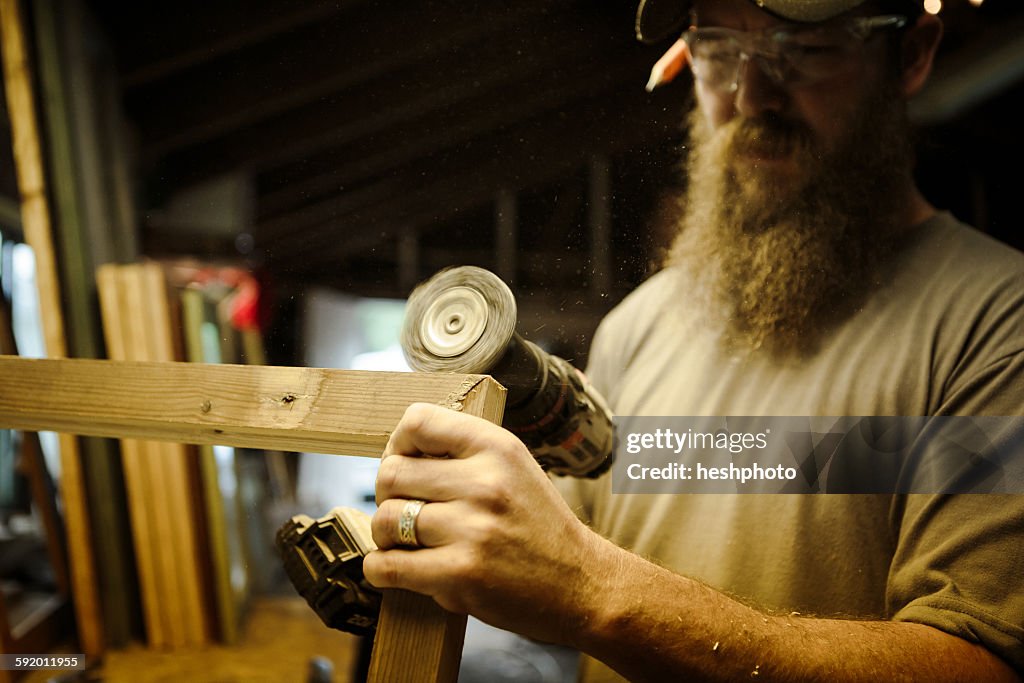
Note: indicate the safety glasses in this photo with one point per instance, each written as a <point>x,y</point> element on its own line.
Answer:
<point>790,54</point>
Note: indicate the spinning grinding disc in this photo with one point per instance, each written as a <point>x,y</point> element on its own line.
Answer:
<point>460,320</point>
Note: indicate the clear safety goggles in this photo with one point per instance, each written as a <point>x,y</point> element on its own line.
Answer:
<point>788,55</point>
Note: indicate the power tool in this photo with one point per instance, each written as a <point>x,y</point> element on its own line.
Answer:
<point>324,561</point>
<point>461,320</point>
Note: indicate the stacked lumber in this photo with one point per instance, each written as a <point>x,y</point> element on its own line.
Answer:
<point>161,478</point>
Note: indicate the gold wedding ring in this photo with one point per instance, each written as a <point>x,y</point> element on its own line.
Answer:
<point>407,523</point>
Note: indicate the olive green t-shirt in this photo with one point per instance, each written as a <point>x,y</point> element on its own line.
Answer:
<point>943,336</point>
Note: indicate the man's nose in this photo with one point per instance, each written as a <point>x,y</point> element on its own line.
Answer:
<point>756,91</point>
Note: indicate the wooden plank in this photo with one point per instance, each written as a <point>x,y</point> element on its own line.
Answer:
<point>113,307</point>
<point>417,641</point>
<point>178,480</point>
<point>38,233</point>
<point>314,410</point>
<point>158,476</point>
<point>28,159</point>
<point>152,488</point>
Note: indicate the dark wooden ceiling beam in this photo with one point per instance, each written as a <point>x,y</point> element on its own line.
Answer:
<point>247,29</point>
<point>458,135</point>
<point>366,113</point>
<point>599,47</point>
<point>522,157</point>
<point>429,92</point>
<point>151,36</point>
<point>405,148</point>
<point>302,67</point>
<point>461,189</point>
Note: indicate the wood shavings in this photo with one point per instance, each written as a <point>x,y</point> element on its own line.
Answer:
<point>456,399</point>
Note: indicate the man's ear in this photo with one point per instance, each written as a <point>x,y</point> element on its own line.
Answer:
<point>920,42</point>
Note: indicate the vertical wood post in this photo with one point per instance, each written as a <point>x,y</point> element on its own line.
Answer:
<point>417,641</point>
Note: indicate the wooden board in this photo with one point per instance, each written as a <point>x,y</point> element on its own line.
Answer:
<point>179,475</point>
<point>348,412</point>
<point>438,635</point>
<point>294,409</point>
<point>142,513</point>
<point>160,476</point>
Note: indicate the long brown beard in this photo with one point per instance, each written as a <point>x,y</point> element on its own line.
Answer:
<point>777,263</point>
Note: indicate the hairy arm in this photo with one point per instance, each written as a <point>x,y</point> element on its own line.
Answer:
<point>500,543</point>
<point>686,629</point>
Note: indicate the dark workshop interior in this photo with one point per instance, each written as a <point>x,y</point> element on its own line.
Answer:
<point>322,157</point>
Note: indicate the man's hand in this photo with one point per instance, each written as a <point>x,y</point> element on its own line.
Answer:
<point>497,540</point>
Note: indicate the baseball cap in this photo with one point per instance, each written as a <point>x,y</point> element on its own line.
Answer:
<point>658,19</point>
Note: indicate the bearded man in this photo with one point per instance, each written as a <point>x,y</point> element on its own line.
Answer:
<point>809,277</point>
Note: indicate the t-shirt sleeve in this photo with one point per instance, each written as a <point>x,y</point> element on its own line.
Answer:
<point>959,567</point>
<point>959,560</point>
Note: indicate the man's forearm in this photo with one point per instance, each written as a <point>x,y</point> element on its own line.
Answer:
<point>652,625</point>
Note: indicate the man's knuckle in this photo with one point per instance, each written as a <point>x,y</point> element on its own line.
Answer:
<point>380,569</point>
<point>371,569</point>
<point>391,573</point>
<point>417,416</point>
<point>487,530</point>
<point>381,525</point>
<point>387,474</point>
<point>468,567</point>
<point>495,493</point>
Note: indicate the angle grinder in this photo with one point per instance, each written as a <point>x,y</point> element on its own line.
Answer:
<point>463,320</point>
